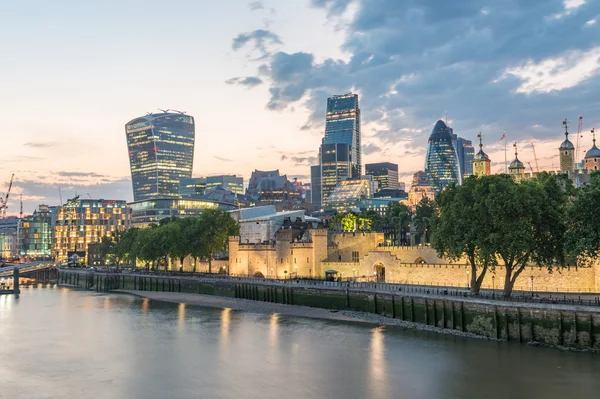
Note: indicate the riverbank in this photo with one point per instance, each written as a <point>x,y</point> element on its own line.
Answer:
<point>248,305</point>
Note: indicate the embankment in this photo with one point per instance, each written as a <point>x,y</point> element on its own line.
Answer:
<point>564,326</point>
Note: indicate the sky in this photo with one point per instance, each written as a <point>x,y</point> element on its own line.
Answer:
<point>256,75</point>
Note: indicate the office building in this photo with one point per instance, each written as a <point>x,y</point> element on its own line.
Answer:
<point>35,232</point>
<point>81,222</point>
<point>161,153</point>
<point>441,162</point>
<point>315,187</point>
<point>228,182</point>
<point>336,167</point>
<point>347,195</point>
<point>193,186</point>
<point>386,174</point>
<point>465,154</point>
<point>342,126</point>
<point>270,187</point>
<point>146,212</point>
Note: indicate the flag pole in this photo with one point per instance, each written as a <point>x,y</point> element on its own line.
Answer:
<point>505,158</point>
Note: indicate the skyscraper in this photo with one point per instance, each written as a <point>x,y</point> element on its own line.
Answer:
<point>315,187</point>
<point>161,152</point>
<point>465,153</point>
<point>336,167</point>
<point>386,173</point>
<point>441,162</point>
<point>342,126</point>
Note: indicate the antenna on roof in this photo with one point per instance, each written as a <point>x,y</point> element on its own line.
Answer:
<point>162,110</point>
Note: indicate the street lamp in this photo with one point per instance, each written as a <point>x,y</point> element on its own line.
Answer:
<point>493,286</point>
<point>532,286</point>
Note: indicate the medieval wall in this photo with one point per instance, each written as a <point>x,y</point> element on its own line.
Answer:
<point>342,245</point>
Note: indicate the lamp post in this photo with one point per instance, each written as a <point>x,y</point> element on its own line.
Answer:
<point>467,272</point>
<point>531,286</point>
<point>493,286</point>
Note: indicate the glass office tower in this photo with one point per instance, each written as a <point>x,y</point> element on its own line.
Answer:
<point>336,167</point>
<point>465,153</point>
<point>386,173</point>
<point>161,152</point>
<point>342,126</point>
<point>441,162</point>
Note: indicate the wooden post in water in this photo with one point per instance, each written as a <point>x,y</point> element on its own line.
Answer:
<point>16,289</point>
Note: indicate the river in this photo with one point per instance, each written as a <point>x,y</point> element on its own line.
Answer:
<point>58,343</point>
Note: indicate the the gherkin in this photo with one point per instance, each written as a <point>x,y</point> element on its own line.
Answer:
<point>441,162</point>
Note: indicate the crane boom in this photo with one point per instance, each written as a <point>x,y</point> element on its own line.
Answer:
<point>5,201</point>
<point>537,167</point>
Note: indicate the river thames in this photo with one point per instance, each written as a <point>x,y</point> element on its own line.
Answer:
<point>59,343</point>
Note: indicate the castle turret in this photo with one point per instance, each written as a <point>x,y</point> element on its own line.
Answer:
<point>516,168</point>
<point>481,161</point>
<point>592,157</point>
<point>567,154</point>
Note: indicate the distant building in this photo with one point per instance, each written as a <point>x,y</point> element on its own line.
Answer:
<point>335,167</point>
<point>421,188</point>
<point>231,183</point>
<point>146,212</point>
<point>349,193</point>
<point>81,222</point>
<point>386,173</point>
<point>315,187</point>
<point>189,187</point>
<point>567,154</point>
<point>269,187</point>
<point>441,162</point>
<point>464,152</point>
<point>35,232</point>
<point>481,161</point>
<point>161,153</point>
<point>342,126</point>
<point>391,194</point>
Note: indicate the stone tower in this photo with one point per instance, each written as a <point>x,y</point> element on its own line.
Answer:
<point>481,161</point>
<point>592,157</point>
<point>567,154</point>
<point>516,168</point>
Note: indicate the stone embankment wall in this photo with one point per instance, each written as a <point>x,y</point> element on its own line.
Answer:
<point>575,327</point>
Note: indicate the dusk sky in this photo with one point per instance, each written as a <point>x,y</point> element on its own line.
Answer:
<point>256,75</point>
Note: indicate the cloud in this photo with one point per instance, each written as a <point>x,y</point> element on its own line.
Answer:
<point>370,148</point>
<point>509,67</point>
<point>256,5</point>
<point>250,81</point>
<point>260,39</point>
<point>283,157</point>
<point>304,160</point>
<point>558,73</point>
<point>79,174</point>
<point>222,159</point>
<point>40,144</point>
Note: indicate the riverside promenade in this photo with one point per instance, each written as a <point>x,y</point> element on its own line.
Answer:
<point>565,321</point>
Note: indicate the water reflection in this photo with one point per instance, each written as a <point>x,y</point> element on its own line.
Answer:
<point>127,347</point>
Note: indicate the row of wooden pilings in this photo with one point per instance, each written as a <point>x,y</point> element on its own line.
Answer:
<point>283,295</point>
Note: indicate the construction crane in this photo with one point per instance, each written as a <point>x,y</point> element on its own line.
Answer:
<point>579,136</point>
<point>4,203</point>
<point>529,163</point>
<point>537,167</point>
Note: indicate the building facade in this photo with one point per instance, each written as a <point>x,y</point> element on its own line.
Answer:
<point>567,154</point>
<point>592,157</point>
<point>336,166</point>
<point>342,126</point>
<point>81,222</point>
<point>146,212</point>
<point>315,187</point>
<point>481,161</point>
<point>161,153</point>
<point>441,162</point>
<point>231,183</point>
<point>465,154</point>
<point>192,186</point>
<point>516,168</point>
<point>386,173</point>
<point>35,232</point>
<point>421,188</point>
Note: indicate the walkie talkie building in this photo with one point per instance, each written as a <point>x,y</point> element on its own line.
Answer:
<point>161,152</point>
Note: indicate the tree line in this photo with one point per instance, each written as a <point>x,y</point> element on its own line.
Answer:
<point>493,219</point>
<point>172,238</point>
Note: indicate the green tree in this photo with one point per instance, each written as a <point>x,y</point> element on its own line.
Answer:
<point>460,226</point>
<point>527,221</point>
<point>216,227</point>
<point>423,213</point>
<point>124,248</point>
<point>106,248</point>
<point>583,233</point>
<point>349,222</point>
<point>398,217</point>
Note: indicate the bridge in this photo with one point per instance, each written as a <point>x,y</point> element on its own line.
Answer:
<point>14,275</point>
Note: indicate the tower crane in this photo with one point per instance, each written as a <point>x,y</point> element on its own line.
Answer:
<point>537,167</point>
<point>4,203</point>
<point>529,163</point>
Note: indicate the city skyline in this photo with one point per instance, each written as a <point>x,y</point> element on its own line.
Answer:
<point>83,81</point>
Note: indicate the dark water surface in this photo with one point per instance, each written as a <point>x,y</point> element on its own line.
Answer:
<point>57,343</point>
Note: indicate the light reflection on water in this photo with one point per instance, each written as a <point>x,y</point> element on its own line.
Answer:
<point>57,343</point>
